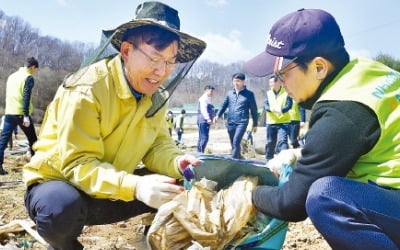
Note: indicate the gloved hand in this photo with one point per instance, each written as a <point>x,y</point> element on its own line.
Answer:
<point>288,156</point>
<point>26,122</point>
<point>277,111</point>
<point>155,190</point>
<point>185,160</point>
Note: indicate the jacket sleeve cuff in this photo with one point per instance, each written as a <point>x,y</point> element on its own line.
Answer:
<point>128,187</point>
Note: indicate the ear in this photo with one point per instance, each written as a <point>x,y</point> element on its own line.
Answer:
<point>125,46</point>
<point>322,66</point>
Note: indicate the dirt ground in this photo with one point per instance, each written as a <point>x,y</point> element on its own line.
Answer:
<point>125,235</point>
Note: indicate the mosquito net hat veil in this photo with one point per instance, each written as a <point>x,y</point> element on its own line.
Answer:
<point>154,14</point>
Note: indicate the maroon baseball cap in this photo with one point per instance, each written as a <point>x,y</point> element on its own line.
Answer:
<point>303,33</point>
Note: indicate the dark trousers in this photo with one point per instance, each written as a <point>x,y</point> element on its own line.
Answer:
<point>294,131</point>
<point>10,123</point>
<point>236,132</point>
<point>354,215</point>
<point>277,139</point>
<point>60,212</point>
<point>204,132</point>
<point>179,133</point>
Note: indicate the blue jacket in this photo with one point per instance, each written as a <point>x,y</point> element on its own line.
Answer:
<point>239,107</point>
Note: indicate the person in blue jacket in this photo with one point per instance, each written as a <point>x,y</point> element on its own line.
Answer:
<point>240,102</point>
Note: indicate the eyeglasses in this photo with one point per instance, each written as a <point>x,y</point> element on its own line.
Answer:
<point>281,75</point>
<point>156,62</point>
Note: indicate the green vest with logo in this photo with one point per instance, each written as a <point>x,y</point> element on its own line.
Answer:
<point>15,92</point>
<point>277,101</point>
<point>378,87</point>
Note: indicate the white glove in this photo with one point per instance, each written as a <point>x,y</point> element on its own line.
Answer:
<point>26,122</point>
<point>288,156</point>
<point>155,190</point>
<point>277,111</point>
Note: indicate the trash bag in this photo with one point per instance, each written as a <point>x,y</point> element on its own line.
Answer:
<point>225,170</point>
<point>204,183</point>
<point>211,219</point>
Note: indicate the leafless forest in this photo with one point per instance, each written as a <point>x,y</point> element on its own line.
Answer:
<point>57,58</point>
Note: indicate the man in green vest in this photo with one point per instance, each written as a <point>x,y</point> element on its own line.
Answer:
<point>348,178</point>
<point>277,106</point>
<point>19,106</point>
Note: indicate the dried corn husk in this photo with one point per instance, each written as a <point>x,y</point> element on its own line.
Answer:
<point>211,219</point>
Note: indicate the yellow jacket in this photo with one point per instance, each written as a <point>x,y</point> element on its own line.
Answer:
<point>95,133</point>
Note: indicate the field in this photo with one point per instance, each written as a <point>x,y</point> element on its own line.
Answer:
<point>128,234</point>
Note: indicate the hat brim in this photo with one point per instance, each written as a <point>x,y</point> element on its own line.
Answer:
<point>190,48</point>
<point>266,64</point>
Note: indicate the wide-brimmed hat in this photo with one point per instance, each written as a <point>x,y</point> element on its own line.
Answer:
<point>163,16</point>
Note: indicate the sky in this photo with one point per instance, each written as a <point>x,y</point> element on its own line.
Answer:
<point>235,30</point>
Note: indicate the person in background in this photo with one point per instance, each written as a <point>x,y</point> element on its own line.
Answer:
<point>346,178</point>
<point>19,107</point>
<point>277,105</point>
<point>249,131</point>
<point>240,102</point>
<point>297,120</point>
<point>170,121</point>
<point>205,117</point>
<point>179,123</point>
<point>98,129</point>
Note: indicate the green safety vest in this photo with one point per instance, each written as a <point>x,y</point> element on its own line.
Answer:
<point>378,87</point>
<point>294,112</point>
<point>15,92</point>
<point>277,101</point>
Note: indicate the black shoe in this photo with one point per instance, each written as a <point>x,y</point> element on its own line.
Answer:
<point>3,172</point>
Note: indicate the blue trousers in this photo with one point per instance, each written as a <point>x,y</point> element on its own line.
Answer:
<point>354,215</point>
<point>179,133</point>
<point>204,132</point>
<point>10,123</point>
<point>236,132</point>
<point>60,212</point>
<point>294,131</point>
<point>275,145</point>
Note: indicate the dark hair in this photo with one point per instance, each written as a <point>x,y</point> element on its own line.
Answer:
<point>31,61</point>
<point>239,76</point>
<point>152,35</point>
<point>338,59</point>
<point>183,111</point>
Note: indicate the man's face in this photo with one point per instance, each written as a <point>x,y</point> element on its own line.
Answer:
<point>147,68</point>
<point>238,84</point>
<point>209,92</point>
<point>299,84</point>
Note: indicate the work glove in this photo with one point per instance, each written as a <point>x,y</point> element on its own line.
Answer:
<point>154,190</point>
<point>186,160</point>
<point>277,111</point>
<point>26,121</point>
<point>288,156</point>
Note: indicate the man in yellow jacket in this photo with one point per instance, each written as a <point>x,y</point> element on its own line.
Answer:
<point>19,106</point>
<point>104,121</point>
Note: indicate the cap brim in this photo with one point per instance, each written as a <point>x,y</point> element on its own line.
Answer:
<point>190,48</point>
<point>266,64</point>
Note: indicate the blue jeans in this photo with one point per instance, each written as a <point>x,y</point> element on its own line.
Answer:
<point>204,132</point>
<point>236,132</point>
<point>179,133</point>
<point>60,212</point>
<point>277,139</point>
<point>354,215</point>
<point>10,123</point>
<point>294,131</point>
